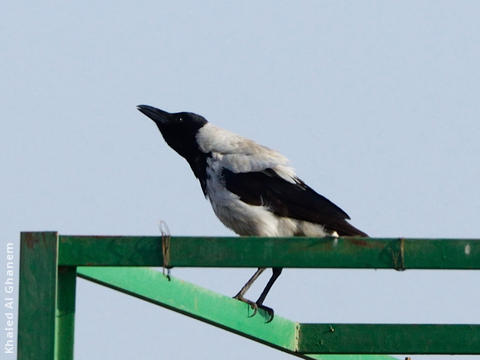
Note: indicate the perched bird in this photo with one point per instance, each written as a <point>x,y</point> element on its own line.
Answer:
<point>253,189</point>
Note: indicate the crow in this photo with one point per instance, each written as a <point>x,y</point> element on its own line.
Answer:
<point>252,189</point>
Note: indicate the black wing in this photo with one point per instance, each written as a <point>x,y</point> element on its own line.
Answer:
<point>297,201</point>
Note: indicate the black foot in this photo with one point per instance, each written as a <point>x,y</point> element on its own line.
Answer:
<point>252,304</point>
<point>268,310</point>
<point>256,306</point>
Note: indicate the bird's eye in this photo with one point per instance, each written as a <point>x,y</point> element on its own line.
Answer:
<point>180,119</point>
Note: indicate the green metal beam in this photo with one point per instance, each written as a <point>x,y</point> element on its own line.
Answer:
<point>48,274</point>
<point>46,300</point>
<point>298,252</point>
<point>65,314</point>
<point>37,292</point>
<point>207,306</point>
<point>110,251</point>
<point>389,339</point>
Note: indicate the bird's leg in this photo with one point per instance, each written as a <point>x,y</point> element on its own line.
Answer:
<point>276,271</point>
<point>247,286</point>
<point>249,283</point>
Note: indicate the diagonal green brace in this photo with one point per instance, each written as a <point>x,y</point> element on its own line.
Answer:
<point>207,306</point>
<point>194,301</point>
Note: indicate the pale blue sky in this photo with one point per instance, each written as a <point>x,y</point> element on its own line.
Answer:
<point>375,102</point>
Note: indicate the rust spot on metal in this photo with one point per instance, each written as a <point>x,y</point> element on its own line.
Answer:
<point>106,236</point>
<point>399,258</point>
<point>165,248</point>
<point>30,240</point>
<point>101,237</point>
<point>64,269</point>
<point>402,253</point>
<point>371,244</point>
<point>360,242</point>
<point>365,243</point>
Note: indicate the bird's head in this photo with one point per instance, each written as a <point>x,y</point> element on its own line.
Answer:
<point>178,129</point>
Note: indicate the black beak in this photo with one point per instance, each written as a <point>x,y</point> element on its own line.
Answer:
<point>157,115</point>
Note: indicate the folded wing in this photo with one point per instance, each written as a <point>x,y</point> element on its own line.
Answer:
<point>288,199</point>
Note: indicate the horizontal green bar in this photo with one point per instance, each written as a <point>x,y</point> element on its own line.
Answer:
<point>389,339</point>
<point>296,252</point>
<point>207,306</point>
<point>110,251</point>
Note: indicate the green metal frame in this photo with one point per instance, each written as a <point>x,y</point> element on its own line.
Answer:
<point>50,264</point>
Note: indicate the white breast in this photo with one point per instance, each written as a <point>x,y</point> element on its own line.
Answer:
<point>245,219</point>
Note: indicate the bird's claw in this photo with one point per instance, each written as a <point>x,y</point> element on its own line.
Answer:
<point>268,310</point>
<point>256,306</point>
<point>252,304</point>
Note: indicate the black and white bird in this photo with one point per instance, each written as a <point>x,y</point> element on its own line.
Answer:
<point>253,189</point>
